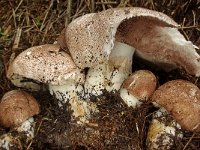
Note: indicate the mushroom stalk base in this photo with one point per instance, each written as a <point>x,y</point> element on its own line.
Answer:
<point>129,99</point>
<point>74,93</point>
<point>163,131</point>
<point>110,75</point>
<point>8,140</point>
<point>66,92</point>
<point>120,65</point>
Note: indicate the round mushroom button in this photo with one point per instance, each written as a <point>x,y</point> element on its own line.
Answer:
<point>17,106</point>
<point>182,99</point>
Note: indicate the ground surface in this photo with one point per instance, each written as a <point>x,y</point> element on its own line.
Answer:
<point>25,23</point>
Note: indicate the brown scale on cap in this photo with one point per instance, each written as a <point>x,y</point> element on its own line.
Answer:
<point>45,63</point>
<point>90,38</point>
<point>16,107</point>
<point>141,84</point>
<point>182,99</point>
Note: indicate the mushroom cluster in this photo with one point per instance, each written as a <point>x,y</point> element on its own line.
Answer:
<point>94,54</point>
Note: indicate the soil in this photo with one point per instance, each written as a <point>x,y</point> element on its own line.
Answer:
<point>119,127</point>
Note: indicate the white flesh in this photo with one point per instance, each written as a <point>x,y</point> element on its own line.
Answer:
<point>110,75</point>
<point>95,80</point>
<point>129,99</point>
<point>8,140</point>
<point>28,127</point>
<point>162,132</point>
<point>120,65</point>
<point>66,92</point>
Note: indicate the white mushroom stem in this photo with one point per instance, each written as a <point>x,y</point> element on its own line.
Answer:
<point>120,64</point>
<point>67,92</point>
<point>129,99</point>
<point>73,93</point>
<point>96,80</point>
<point>163,131</point>
<point>110,75</point>
<point>6,141</point>
<point>27,127</point>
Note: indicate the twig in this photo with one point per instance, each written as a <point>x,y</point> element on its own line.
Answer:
<point>45,17</point>
<point>103,5</point>
<point>79,12</point>
<point>92,6</point>
<point>29,145</point>
<point>194,18</point>
<point>106,3</point>
<point>13,15</point>
<point>17,38</point>
<point>186,145</point>
<point>48,27</point>
<point>188,27</point>
<point>14,11</point>
<point>69,11</point>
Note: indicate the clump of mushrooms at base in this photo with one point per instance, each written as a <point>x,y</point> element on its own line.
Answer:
<point>94,54</point>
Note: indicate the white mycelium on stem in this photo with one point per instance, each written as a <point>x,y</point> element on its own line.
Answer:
<point>163,131</point>
<point>110,75</point>
<point>8,140</point>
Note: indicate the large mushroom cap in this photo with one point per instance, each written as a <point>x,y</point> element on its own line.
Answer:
<point>90,38</point>
<point>17,106</point>
<point>182,99</point>
<point>45,64</point>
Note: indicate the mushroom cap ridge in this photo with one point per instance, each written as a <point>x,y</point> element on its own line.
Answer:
<point>90,38</point>
<point>45,64</point>
<point>16,107</point>
<point>181,99</point>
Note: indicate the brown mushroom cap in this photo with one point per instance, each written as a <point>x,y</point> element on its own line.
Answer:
<point>46,64</point>
<point>90,38</point>
<point>164,46</point>
<point>141,84</point>
<point>16,107</point>
<point>182,99</point>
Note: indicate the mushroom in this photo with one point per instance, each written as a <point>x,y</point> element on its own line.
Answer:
<point>181,99</point>
<point>163,131</point>
<point>179,102</point>
<point>92,40</point>
<point>47,64</point>
<point>162,45</point>
<point>16,110</point>
<point>138,88</point>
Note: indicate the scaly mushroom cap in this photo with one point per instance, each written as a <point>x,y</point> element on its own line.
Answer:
<point>17,106</point>
<point>182,99</point>
<point>91,37</point>
<point>45,64</point>
<point>141,84</point>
